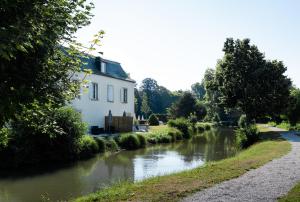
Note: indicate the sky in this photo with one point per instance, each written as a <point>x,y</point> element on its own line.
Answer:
<point>175,41</point>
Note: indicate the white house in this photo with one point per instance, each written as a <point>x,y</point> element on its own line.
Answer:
<point>109,89</point>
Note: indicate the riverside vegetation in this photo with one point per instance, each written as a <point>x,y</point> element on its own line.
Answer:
<point>179,185</point>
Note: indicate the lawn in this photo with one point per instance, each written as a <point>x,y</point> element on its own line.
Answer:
<point>293,195</point>
<point>175,186</point>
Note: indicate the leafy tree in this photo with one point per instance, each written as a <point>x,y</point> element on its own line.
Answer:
<point>159,97</point>
<point>33,66</point>
<point>248,81</point>
<point>198,90</point>
<point>184,107</point>
<point>145,109</point>
<point>293,109</point>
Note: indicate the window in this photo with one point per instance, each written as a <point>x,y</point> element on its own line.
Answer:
<point>94,91</point>
<point>103,67</point>
<point>110,93</point>
<point>124,95</point>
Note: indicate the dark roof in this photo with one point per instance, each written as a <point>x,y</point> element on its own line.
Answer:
<point>113,69</point>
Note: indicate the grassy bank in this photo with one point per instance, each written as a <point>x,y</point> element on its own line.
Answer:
<point>175,186</point>
<point>293,195</point>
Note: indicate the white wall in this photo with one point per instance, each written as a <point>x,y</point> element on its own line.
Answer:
<point>94,111</point>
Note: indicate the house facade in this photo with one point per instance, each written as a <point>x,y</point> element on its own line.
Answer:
<point>109,89</point>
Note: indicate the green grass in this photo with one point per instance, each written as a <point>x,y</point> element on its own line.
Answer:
<point>175,186</point>
<point>293,195</point>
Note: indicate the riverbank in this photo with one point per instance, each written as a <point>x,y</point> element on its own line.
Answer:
<point>176,186</point>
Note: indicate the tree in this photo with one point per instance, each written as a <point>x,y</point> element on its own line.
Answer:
<point>159,97</point>
<point>33,65</point>
<point>198,90</point>
<point>184,107</point>
<point>153,120</point>
<point>145,109</point>
<point>248,81</point>
<point>293,109</point>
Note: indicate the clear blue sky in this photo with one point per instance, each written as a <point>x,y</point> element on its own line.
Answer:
<point>174,41</point>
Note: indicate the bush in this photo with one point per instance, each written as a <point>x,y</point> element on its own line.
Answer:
<point>101,144</point>
<point>153,120</point>
<point>129,141</point>
<point>42,135</point>
<point>87,146</point>
<point>243,122</point>
<point>247,136</point>
<point>164,139</point>
<point>4,134</point>
<point>142,140</point>
<point>182,125</point>
<point>175,134</point>
<point>272,123</point>
<point>200,128</point>
<point>111,145</point>
<point>152,140</point>
<point>162,117</point>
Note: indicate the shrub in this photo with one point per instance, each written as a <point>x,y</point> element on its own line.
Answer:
<point>43,135</point>
<point>243,122</point>
<point>200,128</point>
<point>164,139</point>
<point>272,123</point>
<point>87,146</point>
<point>111,145</point>
<point>182,125</point>
<point>153,120</point>
<point>142,140</point>
<point>129,141</point>
<point>162,117</point>
<point>4,135</point>
<point>175,134</point>
<point>247,136</point>
<point>101,144</point>
<point>152,140</point>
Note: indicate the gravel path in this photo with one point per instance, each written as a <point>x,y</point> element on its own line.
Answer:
<point>266,183</point>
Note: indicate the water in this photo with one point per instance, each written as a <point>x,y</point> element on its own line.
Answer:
<point>88,176</point>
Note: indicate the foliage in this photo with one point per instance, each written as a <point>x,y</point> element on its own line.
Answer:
<point>40,136</point>
<point>87,146</point>
<point>162,117</point>
<point>293,109</point>
<point>33,66</point>
<point>246,80</point>
<point>158,100</point>
<point>247,136</point>
<point>4,135</point>
<point>198,90</point>
<point>243,121</point>
<point>182,125</point>
<point>129,141</point>
<point>153,120</point>
<point>145,109</point>
<point>101,144</point>
<point>142,140</point>
<point>111,145</point>
<point>163,134</point>
<point>184,107</point>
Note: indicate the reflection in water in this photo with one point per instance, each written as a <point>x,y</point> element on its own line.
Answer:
<point>88,176</point>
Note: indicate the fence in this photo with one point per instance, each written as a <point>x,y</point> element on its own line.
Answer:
<point>119,124</point>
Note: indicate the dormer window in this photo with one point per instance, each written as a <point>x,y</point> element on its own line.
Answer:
<point>103,67</point>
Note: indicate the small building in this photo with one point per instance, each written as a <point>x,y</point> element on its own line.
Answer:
<point>109,89</point>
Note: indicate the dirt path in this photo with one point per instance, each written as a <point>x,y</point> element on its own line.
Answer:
<point>266,183</point>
